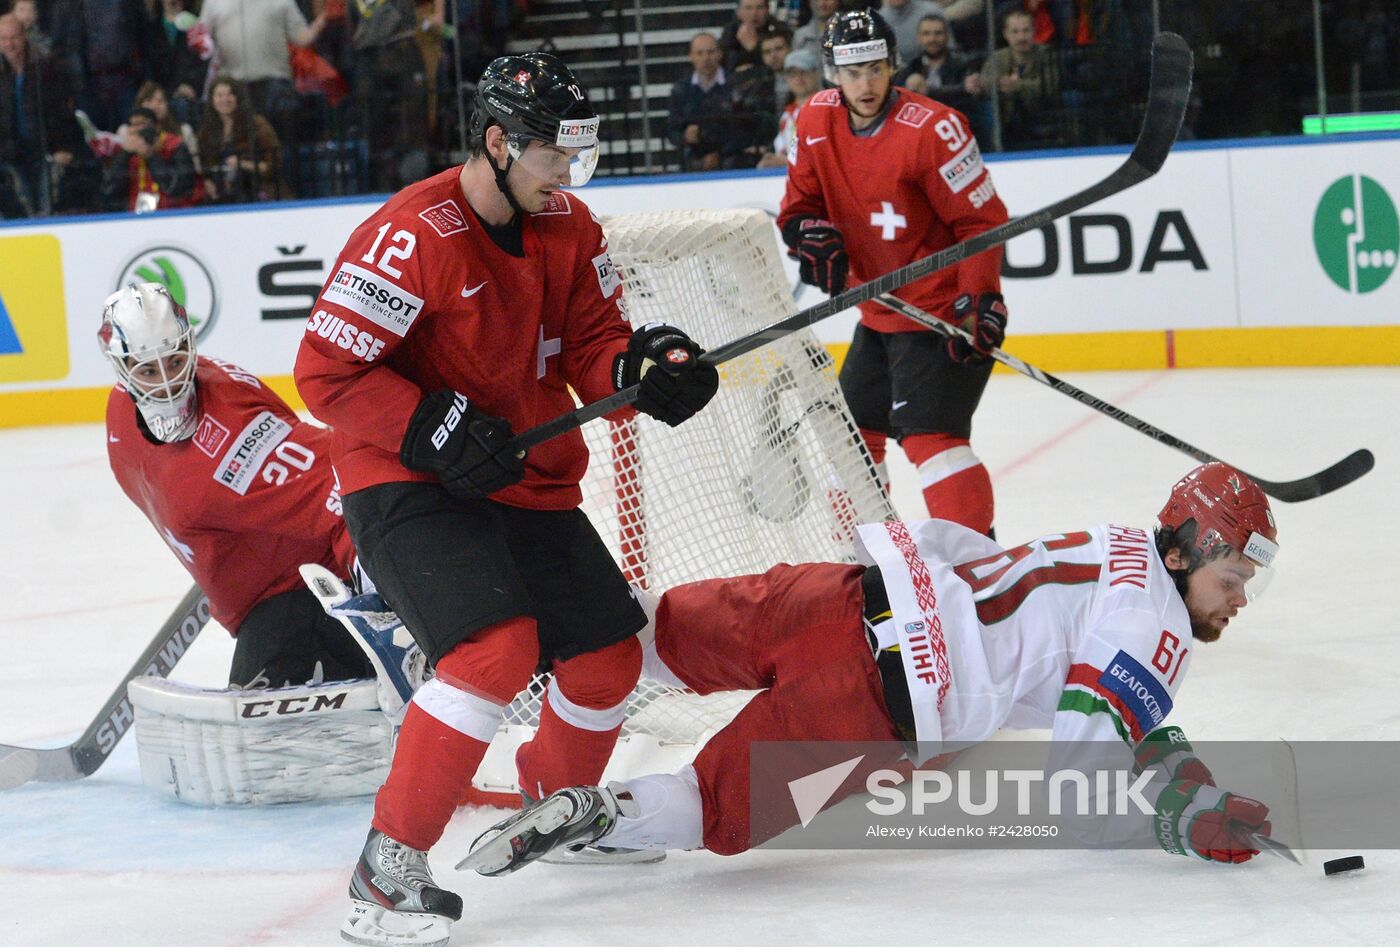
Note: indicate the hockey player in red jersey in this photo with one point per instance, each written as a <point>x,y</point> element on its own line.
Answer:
<point>459,312</point>
<point>879,177</point>
<point>236,484</point>
<point>941,639</point>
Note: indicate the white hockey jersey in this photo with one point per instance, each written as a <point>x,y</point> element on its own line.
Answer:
<point>1081,632</point>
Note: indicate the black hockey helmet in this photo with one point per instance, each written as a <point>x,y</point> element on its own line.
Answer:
<point>537,97</point>
<point>857,36</point>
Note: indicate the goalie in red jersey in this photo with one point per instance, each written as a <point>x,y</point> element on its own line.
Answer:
<point>461,311</point>
<point>237,485</point>
<point>880,177</point>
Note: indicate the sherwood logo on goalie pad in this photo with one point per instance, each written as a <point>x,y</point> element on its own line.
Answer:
<point>243,461</point>
<point>385,304</point>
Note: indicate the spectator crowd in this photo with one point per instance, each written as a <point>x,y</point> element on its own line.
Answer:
<point>138,105</point>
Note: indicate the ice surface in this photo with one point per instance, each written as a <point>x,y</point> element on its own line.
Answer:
<point>103,861</point>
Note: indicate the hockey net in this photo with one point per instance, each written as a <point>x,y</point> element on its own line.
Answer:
<point>772,470</point>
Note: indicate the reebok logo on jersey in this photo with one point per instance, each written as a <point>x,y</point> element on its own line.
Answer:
<point>446,218</point>
<point>608,280</point>
<point>250,449</point>
<point>469,293</point>
<point>1142,695</point>
<point>370,295</point>
<point>963,168</point>
<point>349,337</point>
<point>210,436</point>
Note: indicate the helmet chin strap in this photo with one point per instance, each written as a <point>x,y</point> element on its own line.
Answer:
<point>502,185</point>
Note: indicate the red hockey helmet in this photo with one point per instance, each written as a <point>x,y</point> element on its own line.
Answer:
<point>1229,513</point>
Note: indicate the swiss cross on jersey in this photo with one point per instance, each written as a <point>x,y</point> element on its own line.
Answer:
<point>888,221</point>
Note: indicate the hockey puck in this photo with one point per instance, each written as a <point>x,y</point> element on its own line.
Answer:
<point>1338,865</point>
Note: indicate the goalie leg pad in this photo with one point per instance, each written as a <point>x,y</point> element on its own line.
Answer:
<point>259,747</point>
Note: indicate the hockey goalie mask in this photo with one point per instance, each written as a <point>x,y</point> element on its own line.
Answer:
<point>855,37</point>
<point>1223,515</point>
<point>536,98</point>
<point>146,336</point>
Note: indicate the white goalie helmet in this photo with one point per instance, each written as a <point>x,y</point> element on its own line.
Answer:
<point>146,336</point>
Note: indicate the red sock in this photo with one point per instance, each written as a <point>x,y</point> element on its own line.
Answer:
<point>955,484</point>
<point>580,719</point>
<point>449,724</point>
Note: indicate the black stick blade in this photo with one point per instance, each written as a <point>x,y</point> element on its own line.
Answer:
<point>1166,101</point>
<point>1349,468</point>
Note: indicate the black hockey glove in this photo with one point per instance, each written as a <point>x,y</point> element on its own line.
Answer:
<point>666,362</point>
<point>984,318</point>
<point>820,252</point>
<point>465,448</point>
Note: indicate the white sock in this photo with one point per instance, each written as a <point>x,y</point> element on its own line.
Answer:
<point>670,816</point>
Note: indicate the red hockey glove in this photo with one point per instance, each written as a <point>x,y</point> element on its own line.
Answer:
<point>820,252</point>
<point>982,317</point>
<point>464,447</point>
<point>1208,822</point>
<point>666,363</point>
<point>1168,749</point>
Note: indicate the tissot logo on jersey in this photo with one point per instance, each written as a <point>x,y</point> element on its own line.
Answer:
<point>963,168</point>
<point>349,337</point>
<point>377,299</point>
<point>608,280</point>
<point>1142,694</point>
<point>250,450</point>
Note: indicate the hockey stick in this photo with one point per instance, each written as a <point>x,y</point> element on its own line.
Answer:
<point>1290,491</point>
<point>18,764</point>
<point>1166,104</point>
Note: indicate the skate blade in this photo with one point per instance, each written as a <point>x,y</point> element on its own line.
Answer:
<point>496,853</point>
<point>373,926</point>
<point>592,855</point>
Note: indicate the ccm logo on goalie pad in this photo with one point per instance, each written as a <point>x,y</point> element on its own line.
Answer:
<point>286,706</point>
<point>349,337</point>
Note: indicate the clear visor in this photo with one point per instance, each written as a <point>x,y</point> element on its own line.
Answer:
<point>1248,573</point>
<point>562,165</point>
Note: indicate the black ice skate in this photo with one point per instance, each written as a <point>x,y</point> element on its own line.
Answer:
<point>393,900</point>
<point>573,817</point>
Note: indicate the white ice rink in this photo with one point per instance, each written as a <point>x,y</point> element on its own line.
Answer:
<point>85,582</point>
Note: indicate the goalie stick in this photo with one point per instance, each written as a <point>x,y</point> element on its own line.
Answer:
<point>1166,104</point>
<point>1335,477</point>
<point>19,764</point>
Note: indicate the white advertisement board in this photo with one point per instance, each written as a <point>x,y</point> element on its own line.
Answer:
<point>1297,234</point>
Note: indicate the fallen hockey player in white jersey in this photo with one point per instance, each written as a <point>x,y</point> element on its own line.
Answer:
<point>943,638</point>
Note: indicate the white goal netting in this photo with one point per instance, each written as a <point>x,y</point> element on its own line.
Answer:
<point>772,470</point>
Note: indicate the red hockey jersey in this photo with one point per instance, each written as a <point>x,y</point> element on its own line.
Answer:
<point>421,299</point>
<point>913,188</point>
<point>243,502</point>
